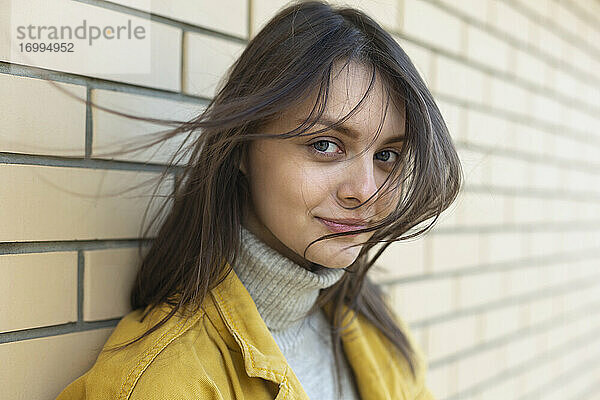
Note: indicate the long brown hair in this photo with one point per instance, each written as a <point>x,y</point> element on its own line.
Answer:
<point>290,58</point>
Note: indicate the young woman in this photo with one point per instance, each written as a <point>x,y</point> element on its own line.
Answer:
<point>322,143</point>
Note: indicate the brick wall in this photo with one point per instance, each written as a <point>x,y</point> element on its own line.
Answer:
<point>503,296</point>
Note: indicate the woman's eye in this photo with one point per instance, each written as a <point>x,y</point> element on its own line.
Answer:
<point>322,146</point>
<point>327,148</point>
<point>387,154</point>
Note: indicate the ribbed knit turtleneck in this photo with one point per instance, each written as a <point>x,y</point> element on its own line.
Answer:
<point>283,292</point>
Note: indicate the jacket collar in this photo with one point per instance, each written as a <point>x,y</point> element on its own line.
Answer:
<point>262,356</point>
<point>234,313</point>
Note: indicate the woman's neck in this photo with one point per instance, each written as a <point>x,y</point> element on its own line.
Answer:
<point>252,224</point>
<point>282,290</point>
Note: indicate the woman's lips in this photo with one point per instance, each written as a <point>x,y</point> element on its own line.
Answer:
<point>337,227</point>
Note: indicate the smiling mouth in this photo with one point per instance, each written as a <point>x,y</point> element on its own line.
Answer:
<point>337,227</point>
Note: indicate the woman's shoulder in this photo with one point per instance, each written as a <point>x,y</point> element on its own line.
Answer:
<point>167,362</point>
<point>370,351</point>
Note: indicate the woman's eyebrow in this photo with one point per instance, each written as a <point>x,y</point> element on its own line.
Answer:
<point>349,132</point>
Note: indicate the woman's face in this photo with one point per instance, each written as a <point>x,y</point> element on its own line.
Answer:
<point>295,183</point>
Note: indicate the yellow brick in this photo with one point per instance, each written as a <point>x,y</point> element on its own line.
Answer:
<point>157,55</point>
<point>504,247</point>
<point>229,16</point>
<point>408,300</point>
<point>263,11</point>
<point>438,381</point>
<point>5,16</point>
<point>454,251</point>
<point>529,67</point>
<point>37,118</point>
<point>432,24</point>
<point>458,80</point>
<point>567,19</point>
<point>487,129</point>
<point>474,169</point>
<point>206,61</point>
<point>456,118</point>
<point>37,290</point>
<point>55,203</point>
<point>486,49</point>
<point>509,173</point>
<point>452,335</point>
<point>509,96</point>
<point>400,259</point>
<point>474,8</point>
<point>480,289</point>
<point>483,365</point>
<point>420,57</point>
<point>41,368</point>
<point>519,24</point>
<point>165,61</point>
<point>116,133</point>
<point>108,280</point>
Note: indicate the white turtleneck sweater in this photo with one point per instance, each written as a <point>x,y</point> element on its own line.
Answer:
<point>283,292</point>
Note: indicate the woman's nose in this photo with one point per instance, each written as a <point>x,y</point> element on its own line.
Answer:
<point>358,181</point>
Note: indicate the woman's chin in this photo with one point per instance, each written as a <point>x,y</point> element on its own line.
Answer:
<point>340,259</point>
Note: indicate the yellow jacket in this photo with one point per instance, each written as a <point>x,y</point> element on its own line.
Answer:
<point>225,351</point>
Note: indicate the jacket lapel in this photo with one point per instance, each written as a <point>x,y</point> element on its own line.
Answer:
<point>378,374</point>
<point>261,354</point>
